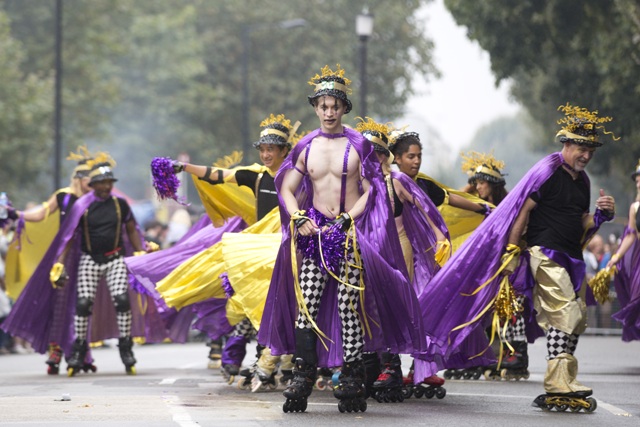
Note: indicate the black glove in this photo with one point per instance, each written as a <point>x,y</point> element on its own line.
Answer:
<point>12,213</point>
<point>301,220</point>
<point>177,166</point>
<point>343,221</point>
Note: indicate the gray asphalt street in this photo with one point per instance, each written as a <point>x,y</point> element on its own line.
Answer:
<point>173,387</point>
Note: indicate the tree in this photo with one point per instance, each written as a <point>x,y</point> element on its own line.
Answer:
<point>559,51</point>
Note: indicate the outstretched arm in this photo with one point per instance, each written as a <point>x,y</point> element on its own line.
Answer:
<point>628,240</point>
<point>40,212</point>
<point>207,173</point>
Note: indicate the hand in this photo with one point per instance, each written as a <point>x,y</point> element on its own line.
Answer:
<point>12,213</point>
<point>485,209</point>
<point>303,224</point>
<point>512,255</point>
<point>177,166</point>
<point>343,221</point>
<point>613,261</point>
<point>58,275</point>
<point>606,204</point>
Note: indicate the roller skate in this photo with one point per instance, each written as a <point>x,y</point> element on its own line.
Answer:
<point>388,386</point>
<point>514,367</point>
<point>246,375</point>
<point>215,355</point>
<point>55,355</point>
<point>76,361</point>
<point>429,387</point>
<point>323,380</point>
<point>229,371</point>
<point>297,393</point>
<point>126,354</point>
<point>574,402</point>
<point>351,389</point>
<point>464,374</point>
<point>266,368</point>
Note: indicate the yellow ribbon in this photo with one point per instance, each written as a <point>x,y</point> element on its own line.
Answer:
<point>296,283</point>
<point>443,253</point>
<point>143,304</point>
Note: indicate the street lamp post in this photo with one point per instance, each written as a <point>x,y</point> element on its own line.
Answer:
<point>57,120</point>
<point>247,30</point>
<point>364,29</point>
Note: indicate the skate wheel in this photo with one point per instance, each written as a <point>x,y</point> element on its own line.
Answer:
<point>562,408</point>
<point>231,379</point>
<point>447,374</point>
<point>418,392</point>
<point>441,392</point>
<point>286,406</point>
<point>53,370</point>
<point>214,364</point>
<point>70,372</point>
<point>320,384</point>
<point>504,374</point>
<point>131,370</point>
<point>341,407</point>
<point>363,406</point>
<point>429,393</point>
<point>272,386</point>
<point>593,404</point>
<point>407,392</point>
<point>526,376</point>
<point>477,374</point>
<point>400,396</point>
<point>242,385</point>
<point>378,396</point>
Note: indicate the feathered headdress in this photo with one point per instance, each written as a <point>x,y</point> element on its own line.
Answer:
<point>483,166</point>
<point>581,126</point>
<point>276,130</point>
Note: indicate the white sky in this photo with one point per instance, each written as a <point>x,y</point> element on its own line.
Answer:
<point>465,97</point>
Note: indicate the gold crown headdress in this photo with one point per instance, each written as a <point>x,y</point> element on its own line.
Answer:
<point>398,134</point>
<point>82,156</point>
<point>483,166</point>
<point>277,130</point>
<point>375,132</point>
<point>332,83</point>
<point>581,126</point>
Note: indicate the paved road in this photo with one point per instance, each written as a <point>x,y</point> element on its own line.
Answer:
<point>174,388</point>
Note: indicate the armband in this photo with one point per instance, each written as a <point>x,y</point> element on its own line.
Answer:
<point>218,180</point>
<point>343,221</point>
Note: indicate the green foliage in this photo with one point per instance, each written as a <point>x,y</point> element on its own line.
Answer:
<point>559,51</point>
<point>155,78</point>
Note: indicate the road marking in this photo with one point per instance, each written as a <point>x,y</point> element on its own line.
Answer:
<point>168,381</point>
<point>613,409</point>
<point>178,413</point>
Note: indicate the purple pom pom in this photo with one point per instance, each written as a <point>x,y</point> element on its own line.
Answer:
<point>165,180</point>
<point>331,240</point>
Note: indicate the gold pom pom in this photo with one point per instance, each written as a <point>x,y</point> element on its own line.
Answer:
<point>600,283</point>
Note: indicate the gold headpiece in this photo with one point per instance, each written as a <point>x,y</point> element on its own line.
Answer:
<point>100,158</point>
<point>377,133</point>
<point>329,76</point>
<point>482,165</point>
<point>581,126</point>
<point>277,130</point>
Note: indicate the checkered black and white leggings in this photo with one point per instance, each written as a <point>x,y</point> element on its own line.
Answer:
<point>89,275</point>
<point>312,283</point>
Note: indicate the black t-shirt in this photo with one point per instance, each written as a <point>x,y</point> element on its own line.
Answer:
<point>556,222</point>
<point>267,196</point>
<point>102,222</point>
<point>435,193</point>
<point>65,202</point>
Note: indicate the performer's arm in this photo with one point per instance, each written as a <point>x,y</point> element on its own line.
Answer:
<point>628,240</point>
<point>207,173</point>
<point>39,213</point>
<point>290,182</point>
<point>460,202</point>
<point>405,196</point>
<point>520,224</point>
<point>134,236</point>
<point>361,203</point>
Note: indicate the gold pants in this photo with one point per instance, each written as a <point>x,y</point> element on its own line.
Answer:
<point>554,298</point>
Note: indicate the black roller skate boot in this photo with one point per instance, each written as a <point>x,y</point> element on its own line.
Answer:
<point>286,377</point>
<point>388,385</point>
<point>76,360</point>
<point>125,345</point>
<point>351,389</point>
<point>247,374</point>
<point>55,356</point>
<point>430,387</point>
<point>304,372</point>
<point>215,354</point>
<point>229,371</point>
<point>299,390</point>
<point>515,366</point>
<point>371,363</point>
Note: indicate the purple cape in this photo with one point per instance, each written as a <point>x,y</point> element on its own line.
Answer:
<point>387,291</point>
<point>146,270</point>
<point>443,303</point>
<point>627,284</point>
<point>43,314</point>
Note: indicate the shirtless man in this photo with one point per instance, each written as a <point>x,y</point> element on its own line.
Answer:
<point>329,188</point>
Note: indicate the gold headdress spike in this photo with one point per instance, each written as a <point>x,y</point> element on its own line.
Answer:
<point>276,130</point>
<point>230,161</point>
<point>378,133</point>
<point>81,154</point>
<point>473,159</point>
<point>331,83</point>
<point>581,126</point>
<point>327,74</point>
<point>101,157</point>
